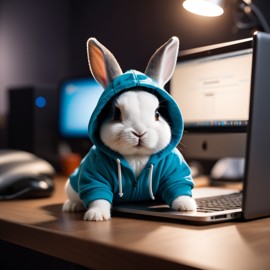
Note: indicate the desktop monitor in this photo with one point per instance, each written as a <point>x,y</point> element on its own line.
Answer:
<point>77,99</point>
<point>212,87</point>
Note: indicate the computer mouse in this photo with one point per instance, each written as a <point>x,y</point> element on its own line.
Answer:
<point>24,175</point>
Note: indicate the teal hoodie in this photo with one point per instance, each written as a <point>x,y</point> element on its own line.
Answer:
<point>105,174</point>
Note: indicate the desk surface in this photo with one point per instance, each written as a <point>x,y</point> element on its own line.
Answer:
<point>132,243</point>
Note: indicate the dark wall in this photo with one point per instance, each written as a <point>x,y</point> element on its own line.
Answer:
<point>133,30</point>
<point>34,47</point>
<point>43,41</point>
<point>34,43</point>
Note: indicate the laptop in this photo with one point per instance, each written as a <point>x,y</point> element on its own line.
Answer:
<point>253,201</point>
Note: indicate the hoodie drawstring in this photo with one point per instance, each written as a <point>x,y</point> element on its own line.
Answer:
<point>120,179</point>
<point>150,182</point>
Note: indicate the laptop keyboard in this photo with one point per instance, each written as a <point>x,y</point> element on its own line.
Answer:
<point>219,203</point>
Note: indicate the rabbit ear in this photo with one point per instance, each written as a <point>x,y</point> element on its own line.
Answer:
<point>162,64</point>
<point>102,63</point>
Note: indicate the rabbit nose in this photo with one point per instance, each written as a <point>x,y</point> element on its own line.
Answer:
<point>137,134</point>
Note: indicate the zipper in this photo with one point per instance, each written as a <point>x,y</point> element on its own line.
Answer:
<point>136,179</point>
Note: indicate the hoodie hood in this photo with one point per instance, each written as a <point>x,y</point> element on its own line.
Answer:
<point>129,81</point>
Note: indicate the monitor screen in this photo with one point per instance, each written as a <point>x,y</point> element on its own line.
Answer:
<point>214,91</point>
<point>212,88</point>
<point>78,98</point>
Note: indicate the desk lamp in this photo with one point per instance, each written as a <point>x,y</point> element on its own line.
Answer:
<point>247,14</point>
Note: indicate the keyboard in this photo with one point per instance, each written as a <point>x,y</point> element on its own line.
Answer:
<point>219,203</point>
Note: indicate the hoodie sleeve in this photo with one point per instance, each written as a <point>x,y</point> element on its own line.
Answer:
<point>92,179</point>
<point>176,180</point>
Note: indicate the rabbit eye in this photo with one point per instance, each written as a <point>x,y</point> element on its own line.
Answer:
<point>157,114</point>
<point>117,114</point>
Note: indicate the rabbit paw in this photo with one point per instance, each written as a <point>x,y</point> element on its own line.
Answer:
<point>184,203</point>
<point>99,210</point>
<point>72,206</point>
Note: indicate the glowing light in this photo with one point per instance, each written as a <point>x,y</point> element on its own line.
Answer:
<point>40,102</point>
<point>203,7</point>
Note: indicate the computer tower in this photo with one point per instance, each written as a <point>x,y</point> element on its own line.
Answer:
<point>32,121</point>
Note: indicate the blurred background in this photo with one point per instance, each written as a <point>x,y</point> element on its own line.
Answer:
<point>43,42</point>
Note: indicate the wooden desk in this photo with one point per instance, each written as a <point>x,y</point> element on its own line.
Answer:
<point>132,243</point>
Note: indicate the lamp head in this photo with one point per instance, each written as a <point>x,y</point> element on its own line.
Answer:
<point>209,8</point>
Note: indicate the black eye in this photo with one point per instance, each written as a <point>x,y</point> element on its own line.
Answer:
<point>117,114</point>
<point>157,114</point>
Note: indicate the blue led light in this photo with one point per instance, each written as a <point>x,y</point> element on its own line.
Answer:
<point>41,102</point>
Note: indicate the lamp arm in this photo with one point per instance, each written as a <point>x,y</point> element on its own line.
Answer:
<point>259,15</point>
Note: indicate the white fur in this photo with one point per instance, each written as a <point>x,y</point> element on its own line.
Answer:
<point>98,210</point>
<point>73,203</point>
<point>138,117</point>
<point>184,203</point>
<point>137,163</point>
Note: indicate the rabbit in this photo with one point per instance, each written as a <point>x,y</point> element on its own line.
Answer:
<point>135,129</point>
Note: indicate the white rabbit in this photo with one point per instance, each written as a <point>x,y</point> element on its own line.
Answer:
<point>135,129</point>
